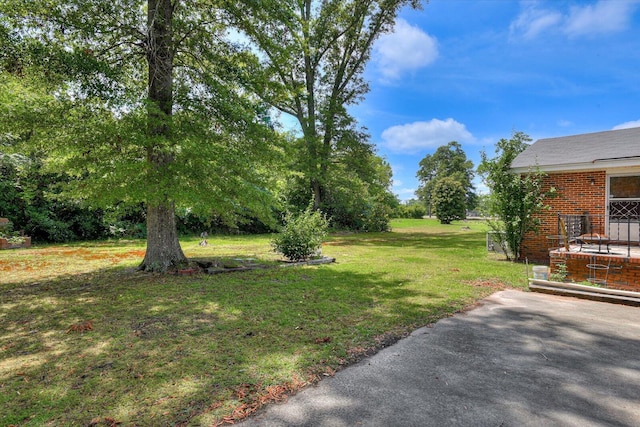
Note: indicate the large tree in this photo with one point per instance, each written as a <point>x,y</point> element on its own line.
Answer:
<point>312,55</point>
<point>140,101</point>
<point>359,193</point>
<point>448,161</point>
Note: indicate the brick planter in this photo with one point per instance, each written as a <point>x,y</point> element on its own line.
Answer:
<point>4,244</point>
<point>621,272</point>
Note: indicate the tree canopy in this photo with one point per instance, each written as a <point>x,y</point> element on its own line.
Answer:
<point>311,56</point>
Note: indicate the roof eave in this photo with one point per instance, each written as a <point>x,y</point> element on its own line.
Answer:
<point>602,164</point>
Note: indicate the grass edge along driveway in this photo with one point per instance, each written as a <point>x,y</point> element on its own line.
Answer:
<point>86,340</point>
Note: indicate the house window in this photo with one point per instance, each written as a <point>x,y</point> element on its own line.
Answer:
<point>624,197</point>
<point>624,187</point>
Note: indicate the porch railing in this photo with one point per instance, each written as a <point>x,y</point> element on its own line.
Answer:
<point>621,228</point>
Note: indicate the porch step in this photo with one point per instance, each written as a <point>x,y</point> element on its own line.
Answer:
<point>587,292</point>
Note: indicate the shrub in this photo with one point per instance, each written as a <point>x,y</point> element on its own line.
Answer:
<point>376,218</point>
<point>302,235</point>
<point>13,237</point>
<point>560,274</point>
<point>449,200</point>
<point>415,211</point>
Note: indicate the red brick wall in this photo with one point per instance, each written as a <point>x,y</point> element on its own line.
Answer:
<point>619,273</point>
<point>4,244</point>
<point>577,193</point>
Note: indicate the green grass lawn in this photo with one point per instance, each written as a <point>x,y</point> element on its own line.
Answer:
<point>206,349</point>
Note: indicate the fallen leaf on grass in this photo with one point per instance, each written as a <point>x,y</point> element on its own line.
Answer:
<point>81,327</point>
<point>111,422</point>
<point>107,421</point>
<point>7,346</point>
<point>257,396</point>
<point>329,372</point>
<point>322,340</point>
<point>243,390</point>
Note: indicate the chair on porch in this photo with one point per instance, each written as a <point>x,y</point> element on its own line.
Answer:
<point>591,235</point>
<point>566,243</point>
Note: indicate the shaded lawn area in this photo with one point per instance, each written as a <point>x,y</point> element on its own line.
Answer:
<point>86,340</point>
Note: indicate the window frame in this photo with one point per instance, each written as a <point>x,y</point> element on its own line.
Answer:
<point>611,199</point>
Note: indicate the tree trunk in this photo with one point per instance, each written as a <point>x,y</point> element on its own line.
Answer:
<point>163,247</point>
<point>316,190</point>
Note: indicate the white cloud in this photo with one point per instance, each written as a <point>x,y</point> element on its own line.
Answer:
<point>601,17</point>
<point>416,136</point>
<point>408,48</point>
<point>533,21</point>
<point>627,125</point>
<point>605,16</point>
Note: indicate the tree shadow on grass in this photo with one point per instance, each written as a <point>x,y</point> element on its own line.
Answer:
<point>164,350</point>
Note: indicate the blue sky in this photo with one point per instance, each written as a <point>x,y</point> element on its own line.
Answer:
<point>475,71</point>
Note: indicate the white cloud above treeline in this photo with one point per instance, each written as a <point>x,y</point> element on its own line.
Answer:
<point>406,49</point>
<point>413,137</point>
<point>601,17</point>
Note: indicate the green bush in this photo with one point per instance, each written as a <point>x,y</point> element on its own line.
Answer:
<point>449,200</point>
<point>302,235</point>
<point>415,211</point>
<point>13,237</point>
<point>376,218</point>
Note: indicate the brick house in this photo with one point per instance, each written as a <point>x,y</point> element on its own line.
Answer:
<point>597,178</point>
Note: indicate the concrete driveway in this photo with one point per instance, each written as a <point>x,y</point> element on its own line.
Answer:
<point>519,359</point>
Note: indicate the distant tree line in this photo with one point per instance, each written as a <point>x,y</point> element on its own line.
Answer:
<point>34,201</point>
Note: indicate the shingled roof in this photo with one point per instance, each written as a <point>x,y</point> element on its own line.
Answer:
<point>599,150</point>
